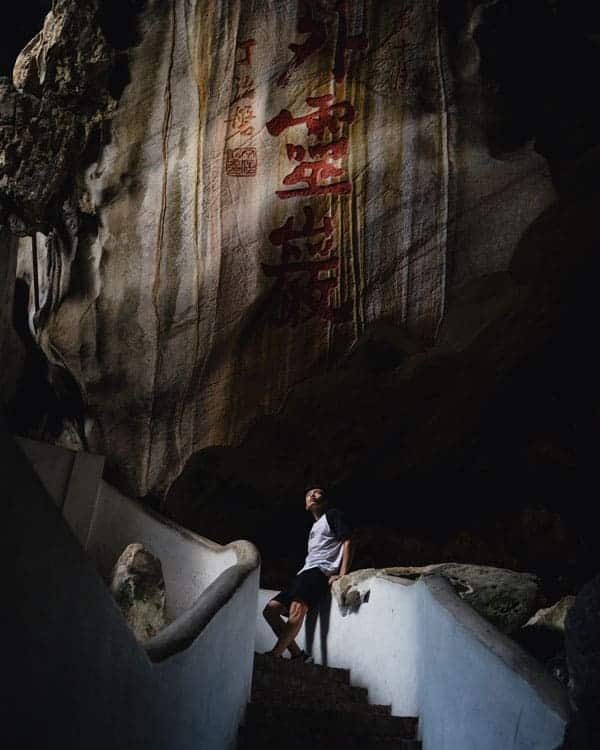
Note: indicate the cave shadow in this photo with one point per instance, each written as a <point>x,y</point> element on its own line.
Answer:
<point>46,396</point>
<point>26,20</point>
<point>321,614</point>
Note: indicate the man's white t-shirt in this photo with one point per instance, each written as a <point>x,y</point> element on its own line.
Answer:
<point>325,542</point>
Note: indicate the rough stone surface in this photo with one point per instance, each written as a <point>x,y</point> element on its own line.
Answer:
<point>11,350</point>
<point>558,667</point>
<point>139,589</point>
<point>177,231</point>
<point>442,380</point>
<point>552,617</point>
<point>26,19</point>
<point>59,101</point>
<point>351,590</point>
<point>543,636</point>
<point>582,639</point>
<point>53,122</point>
<point>504,597</point>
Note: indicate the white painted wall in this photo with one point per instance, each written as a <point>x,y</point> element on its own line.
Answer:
<point>195,692</point>
<point>377,643</point>
<point>205,689</point>
<point>190,562</point>
<point>53,466</point>
<point>477,689</point>
<point>420,648</point>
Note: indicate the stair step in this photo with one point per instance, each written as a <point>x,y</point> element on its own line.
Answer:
<point>308,674</point>
<point>264,737</point>
<point>295,689</point>
<point>310,707</point>
<point>331,722</point>
<point>391,744</point>
<point>317,702</point>
<point>269,665</point>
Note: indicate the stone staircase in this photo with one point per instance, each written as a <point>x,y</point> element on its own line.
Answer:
<point>300,706</point>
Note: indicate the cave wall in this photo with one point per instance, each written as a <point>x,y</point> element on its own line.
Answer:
<point>439,363</point>
<point>171,301</point>
<point>11,352</point>
<point>25,21</point>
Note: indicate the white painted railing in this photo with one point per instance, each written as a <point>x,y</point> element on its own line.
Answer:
<point>416,646</point>
<point>190,562</point>
<point>189,686</point>
<point>205,655</point>
<point>420,648</point>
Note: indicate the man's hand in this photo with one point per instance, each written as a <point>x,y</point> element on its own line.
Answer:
<point>345,563</point>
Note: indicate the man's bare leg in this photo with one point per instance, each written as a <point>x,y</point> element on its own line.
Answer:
<point>291,629</point>
<point>273,615</point>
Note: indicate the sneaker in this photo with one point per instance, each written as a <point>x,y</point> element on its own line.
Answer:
<point>302,657</point>
<point>271,655</point>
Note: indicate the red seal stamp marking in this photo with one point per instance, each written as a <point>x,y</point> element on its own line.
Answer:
<point>241,162</point>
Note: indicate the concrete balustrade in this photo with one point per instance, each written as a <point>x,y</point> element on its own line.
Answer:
<point>420,648</point>
<point>87,681</point>
<point>416,646</point>
<point>190,562</point>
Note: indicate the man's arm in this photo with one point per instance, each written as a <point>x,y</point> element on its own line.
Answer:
<point>346,547</point>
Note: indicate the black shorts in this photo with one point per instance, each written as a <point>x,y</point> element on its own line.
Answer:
<point>308,587</point>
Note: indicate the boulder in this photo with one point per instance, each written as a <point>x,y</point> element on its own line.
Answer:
<point>552,617</point>
<point>61,100</point>
<point>504,597</point>
<point>139,589</point>
<point>543,636</point>
<point>351,590</point>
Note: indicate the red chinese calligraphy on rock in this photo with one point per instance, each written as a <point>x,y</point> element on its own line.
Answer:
<point>243,88</point>
<point>328,115</point>
<point>285,237</point>
<point>239,122</point>
<point>317,38</point>
<point>247,48</point>
<point>318,34</point>
<point>304,287</point>
<point>241,162</point>
<point>316,173</point>
<point>345,43</point>
<point>302,293</point>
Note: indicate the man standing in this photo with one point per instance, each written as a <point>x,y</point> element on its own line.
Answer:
<point>327,560</point>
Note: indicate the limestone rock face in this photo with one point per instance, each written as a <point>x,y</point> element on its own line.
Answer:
<point>59,100</point>
<point>139,589</point>
<point>221,339</point>
<point>504,597</point>
<point>11,353</point>
<point>207,277</point>
<point>52,122</point>
<point>25,22</point>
